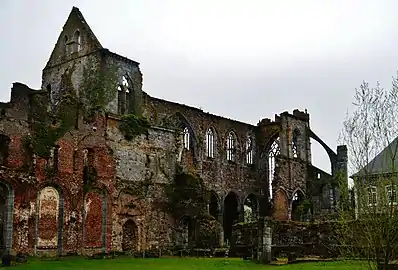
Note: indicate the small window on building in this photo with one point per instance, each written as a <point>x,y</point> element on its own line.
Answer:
<point>391,194</point>
<point>295,150</point>
<point>120,100</point>
<point>125,96</point>
<point>372,195</point>
<point>231,147</point>
<point>249,150</point>
<point>77,42</point>
<point>186,138</point>
<point>318,175</point>
<point>210,143</point>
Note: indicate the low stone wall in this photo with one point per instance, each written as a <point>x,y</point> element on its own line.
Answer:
<point>266,239</point>
<point>303,239</point>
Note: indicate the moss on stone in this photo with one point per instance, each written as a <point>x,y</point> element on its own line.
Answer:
<point>186,195</point>
<point>133,125</point>
<point>97,89</point>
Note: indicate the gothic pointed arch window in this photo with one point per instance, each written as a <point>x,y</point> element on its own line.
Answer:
<point>249,150</point>
<point>210,143</point>
<point>77,41</point>
<point>274,151</point>
<point>186,138</point>
<point>231,146</point>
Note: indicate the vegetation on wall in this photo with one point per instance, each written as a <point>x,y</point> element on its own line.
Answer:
<point>186,195</point>
<point>133,125</point>
<point>97,89</point>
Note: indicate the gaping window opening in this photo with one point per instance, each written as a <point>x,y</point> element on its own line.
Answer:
<point>210,143</point>
<point>294,144</point>
<point>274,151</point>
<point>120,100</point>
<point>77,40</point>
<point>391,194</point>
<point>372,195</point>
<point>249,150</point>
<point>231,147</point>
<point>125,96</point>
<point>186,138</point>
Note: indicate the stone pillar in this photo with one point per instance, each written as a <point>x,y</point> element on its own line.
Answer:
<point>241,211</point>
<point>289,209</point>
<point>341,174</point>
<point>266,241</point>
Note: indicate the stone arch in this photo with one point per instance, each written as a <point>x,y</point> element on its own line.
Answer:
<point>130,236</point>
<point>250,207</point>
<point>331,154</point>
<point>95,218</point>
<point>6,216</point>
<point>273,150</point>
<point>231,214</point>
<point>214,205</point>
<point>179,122</point>
<point>49,218</point>
<point>298,196</point>
<point>77,40</point>
<point>281,205</point>
<point>184,231</point>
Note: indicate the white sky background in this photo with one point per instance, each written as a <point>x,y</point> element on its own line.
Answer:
<point>245,60</point>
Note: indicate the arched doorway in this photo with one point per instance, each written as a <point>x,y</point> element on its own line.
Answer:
<point>231,214</point>
<point>281,205</point>
<point>214,208</point>
<point>6,217</point>
<point>185,231</point>
<point>297,206</point>
<point>130,238</point>
<point>250,207</point>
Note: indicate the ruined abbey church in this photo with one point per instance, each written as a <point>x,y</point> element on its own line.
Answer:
<point>91,163</point>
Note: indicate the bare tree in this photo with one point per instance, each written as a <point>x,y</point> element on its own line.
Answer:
<point>370,134</point>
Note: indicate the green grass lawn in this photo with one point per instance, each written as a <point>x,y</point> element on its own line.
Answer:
<point>174,264</point>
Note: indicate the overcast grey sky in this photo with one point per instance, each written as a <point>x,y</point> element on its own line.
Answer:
<point>245,60</point>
